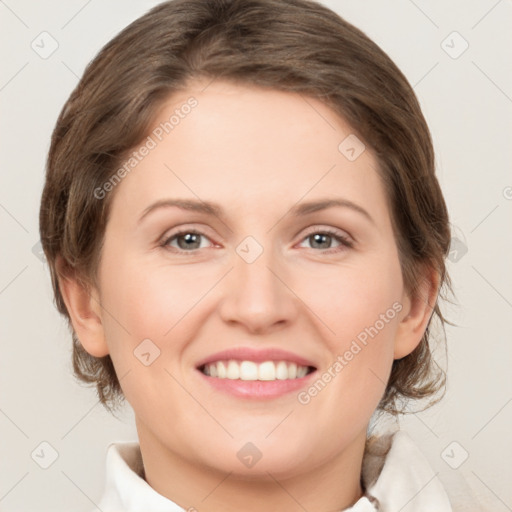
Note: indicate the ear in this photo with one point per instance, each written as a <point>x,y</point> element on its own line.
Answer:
<point>417,311</point>
<point>84,308</point>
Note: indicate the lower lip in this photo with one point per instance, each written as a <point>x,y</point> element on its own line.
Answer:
<point>257,388</point>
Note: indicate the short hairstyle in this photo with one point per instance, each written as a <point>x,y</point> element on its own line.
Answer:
<point>297,46</point>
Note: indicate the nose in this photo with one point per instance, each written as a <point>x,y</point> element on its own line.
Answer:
<point>259,295</point>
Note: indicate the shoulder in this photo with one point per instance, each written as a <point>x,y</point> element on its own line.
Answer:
<point>397,473</point>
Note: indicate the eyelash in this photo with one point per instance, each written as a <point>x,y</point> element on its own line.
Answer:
<point>345,242</point>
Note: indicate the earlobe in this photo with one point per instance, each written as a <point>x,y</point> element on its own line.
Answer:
<point>417,312</point>
<point>84,308</point>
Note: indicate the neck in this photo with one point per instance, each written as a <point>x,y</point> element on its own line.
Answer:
<point>331,486</point>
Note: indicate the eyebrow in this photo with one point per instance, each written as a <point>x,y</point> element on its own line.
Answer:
<point>215,209</point>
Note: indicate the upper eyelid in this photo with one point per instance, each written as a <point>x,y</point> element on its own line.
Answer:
<point>330,229</point>
<point>183,230</point>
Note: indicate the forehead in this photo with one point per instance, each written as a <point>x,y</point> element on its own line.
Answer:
<point>244,145</point>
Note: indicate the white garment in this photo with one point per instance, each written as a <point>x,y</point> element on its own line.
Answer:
<point>396,475</point>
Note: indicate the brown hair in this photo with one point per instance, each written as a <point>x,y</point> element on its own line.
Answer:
<point>290,45</point>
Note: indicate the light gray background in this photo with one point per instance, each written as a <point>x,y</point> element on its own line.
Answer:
<point>467,102</point>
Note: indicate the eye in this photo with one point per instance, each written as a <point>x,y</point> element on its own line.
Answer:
<point>187,240</point>
<point>322,239</point>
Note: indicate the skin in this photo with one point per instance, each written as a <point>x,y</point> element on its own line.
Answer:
<point>257,153</point>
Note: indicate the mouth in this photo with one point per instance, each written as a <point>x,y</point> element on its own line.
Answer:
<point>245,372</point>
<point>251,370</point>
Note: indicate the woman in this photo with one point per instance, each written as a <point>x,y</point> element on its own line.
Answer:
<point>245,231</point>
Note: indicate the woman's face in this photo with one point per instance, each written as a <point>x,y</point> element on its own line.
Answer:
<point>257,270</point>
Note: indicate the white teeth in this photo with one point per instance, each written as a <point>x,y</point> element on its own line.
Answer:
<point>221,370</point>
<point>281,370</point>
<point>249,370</point>
<point>233,370</point>
<point>301,372</point>
<point>292,371</point>
<point>267,371</point>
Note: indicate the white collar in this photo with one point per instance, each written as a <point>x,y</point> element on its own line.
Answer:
<point>395,473</point>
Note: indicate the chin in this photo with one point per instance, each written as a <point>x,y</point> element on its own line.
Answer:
<point>256,459</point>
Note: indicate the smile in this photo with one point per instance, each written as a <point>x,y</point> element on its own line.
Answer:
<point>251,370</point>
<point>256,373</point>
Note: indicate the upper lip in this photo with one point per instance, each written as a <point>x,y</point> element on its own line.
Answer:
<point>256,355</point>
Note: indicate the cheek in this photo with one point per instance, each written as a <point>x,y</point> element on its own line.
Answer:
<point>147,328</point>
<point>150,301</point>
<point>155,302</point>
<point>351,299</point>
<point>359,311</point>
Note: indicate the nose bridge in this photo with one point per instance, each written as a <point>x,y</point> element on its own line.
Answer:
<point>255,295</point>
<point>253,267</point>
